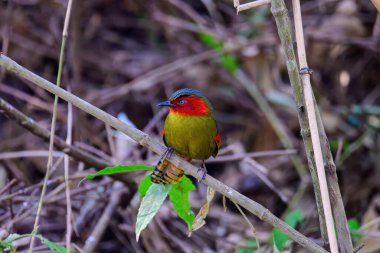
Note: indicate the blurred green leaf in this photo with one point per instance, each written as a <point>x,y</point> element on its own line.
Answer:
<point>144,185</point>
<point>118,169</point>
<point>7,243</point>
<point>179,196</point>
<point>353,226</point>
<point>211,41</point>
<point>52,245</point>
<point>250,246</point>
<point>150,204</point>
<point>292,219</point>
<point>229,62</point>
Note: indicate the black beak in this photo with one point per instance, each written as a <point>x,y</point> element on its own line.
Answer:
<point>166,103</point>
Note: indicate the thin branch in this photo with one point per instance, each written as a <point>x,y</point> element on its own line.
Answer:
<point>250,225</point>
<point>258,154</point>
<point>94,238</point>
<point>77,153</point>
<point>272,118</point>
<point>150,143</point>
<point>53,121</point>
<point>251,5</point>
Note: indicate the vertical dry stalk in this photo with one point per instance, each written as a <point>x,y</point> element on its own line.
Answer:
<point>52,130</point>
<point>309,104</point>
<point>67,184</point>
<point>282,19</point>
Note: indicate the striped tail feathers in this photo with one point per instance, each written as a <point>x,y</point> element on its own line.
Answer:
<point>167,173</point>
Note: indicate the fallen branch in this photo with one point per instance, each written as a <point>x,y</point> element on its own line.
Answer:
<point>146,141</point>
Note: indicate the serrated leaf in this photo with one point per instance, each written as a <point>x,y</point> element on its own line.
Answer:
<point>119,169</point>
<point>150,205</point>
<point>52,245</point>
<point>229,62</point>
<point>211,41</point>
<point>199,220</point>
<point>179,197</point>
<point>144,185</point>
<point>292,219</point>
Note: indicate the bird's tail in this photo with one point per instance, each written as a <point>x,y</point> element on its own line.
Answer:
<point>166,173</point>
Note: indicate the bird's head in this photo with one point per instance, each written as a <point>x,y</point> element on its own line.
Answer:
<point>188,101</point>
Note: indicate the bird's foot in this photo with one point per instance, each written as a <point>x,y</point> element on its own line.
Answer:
<point>168,152</point>
<point>203,170</point>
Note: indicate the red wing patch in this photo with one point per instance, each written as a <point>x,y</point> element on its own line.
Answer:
<point>218,140</point>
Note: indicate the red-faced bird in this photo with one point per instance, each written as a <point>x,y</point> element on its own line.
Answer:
<point>190,130</point>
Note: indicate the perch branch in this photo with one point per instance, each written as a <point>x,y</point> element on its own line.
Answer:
<point>146,141</point>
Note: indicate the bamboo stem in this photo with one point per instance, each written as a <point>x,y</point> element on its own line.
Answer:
<point>148,142</point>
<point>319,144</point>
<point>281,16</point>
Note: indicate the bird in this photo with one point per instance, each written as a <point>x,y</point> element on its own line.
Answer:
<point>190,130</point>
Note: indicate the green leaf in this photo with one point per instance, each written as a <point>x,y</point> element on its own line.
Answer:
<point>119,169</point>
<point>150,205</point>
<point>11,238</point>
<point>52,245</point>
<point>144,185</point>
<point>292,219</point>
<point>229,62</point>
<point>179,196</point>
<point>353,226</point>
<point>250,246</point>
<point>211,41</point>
<point>7,242</point>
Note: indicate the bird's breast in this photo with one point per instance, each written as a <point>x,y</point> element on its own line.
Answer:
<point>191,136</point>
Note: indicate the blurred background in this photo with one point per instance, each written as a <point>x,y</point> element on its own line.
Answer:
<point>126,56</point>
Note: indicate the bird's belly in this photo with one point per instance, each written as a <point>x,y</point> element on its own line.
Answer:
<point>191,136</point>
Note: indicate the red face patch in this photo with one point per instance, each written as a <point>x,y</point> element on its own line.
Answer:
<point>190,105</point>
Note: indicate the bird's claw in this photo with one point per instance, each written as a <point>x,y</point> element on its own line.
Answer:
<point>203,170</point>
<point>167,154</point>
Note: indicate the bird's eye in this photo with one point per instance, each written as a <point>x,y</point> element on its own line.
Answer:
<point>181,102</point>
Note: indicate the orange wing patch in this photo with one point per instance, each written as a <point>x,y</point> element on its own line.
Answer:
<point>218,140</point>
